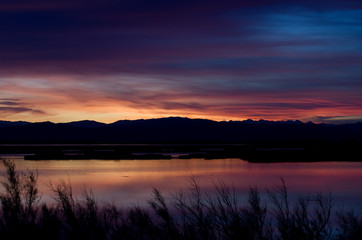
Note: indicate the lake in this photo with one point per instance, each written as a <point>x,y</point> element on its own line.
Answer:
<point>130,182</point>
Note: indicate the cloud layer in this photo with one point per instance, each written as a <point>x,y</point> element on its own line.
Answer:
<point>110,60</point>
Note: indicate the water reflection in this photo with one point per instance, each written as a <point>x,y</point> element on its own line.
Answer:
<point>130,182</point>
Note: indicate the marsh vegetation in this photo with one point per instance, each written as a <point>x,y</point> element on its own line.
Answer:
<point>188,214</point>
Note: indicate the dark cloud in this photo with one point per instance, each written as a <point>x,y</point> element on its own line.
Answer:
<point>13,106</point>
<point>9,102</point>
<point>337,119</point>
<point>136,35</point>
<point>11,110</point>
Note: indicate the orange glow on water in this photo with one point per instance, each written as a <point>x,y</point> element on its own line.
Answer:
<point>131,181</point>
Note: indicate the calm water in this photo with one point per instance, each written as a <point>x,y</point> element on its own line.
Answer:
<point>130,182</point>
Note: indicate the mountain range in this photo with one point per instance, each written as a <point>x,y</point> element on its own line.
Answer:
<point>176,130</point>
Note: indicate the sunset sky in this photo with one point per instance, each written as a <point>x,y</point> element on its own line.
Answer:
<point>109,60</point>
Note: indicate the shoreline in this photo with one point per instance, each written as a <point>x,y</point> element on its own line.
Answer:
<point>255,153</point>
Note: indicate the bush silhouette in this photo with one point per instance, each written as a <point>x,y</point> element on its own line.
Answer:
<point>190,214</point>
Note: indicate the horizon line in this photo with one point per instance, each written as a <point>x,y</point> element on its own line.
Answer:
<point>190,118</point>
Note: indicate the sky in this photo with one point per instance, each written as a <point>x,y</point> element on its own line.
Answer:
<point>109,60</point>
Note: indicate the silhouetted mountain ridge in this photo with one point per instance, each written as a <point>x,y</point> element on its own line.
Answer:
<point>9,124</point>
<point>86,124</point>
<point>175,130</point>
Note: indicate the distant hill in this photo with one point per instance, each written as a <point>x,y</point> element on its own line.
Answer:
<point>9,124</point>
<point>176,130</point>
<point>86,124</point>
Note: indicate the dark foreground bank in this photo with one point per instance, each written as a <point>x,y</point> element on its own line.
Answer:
<point>184,215</point>
<point>256,152</point>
